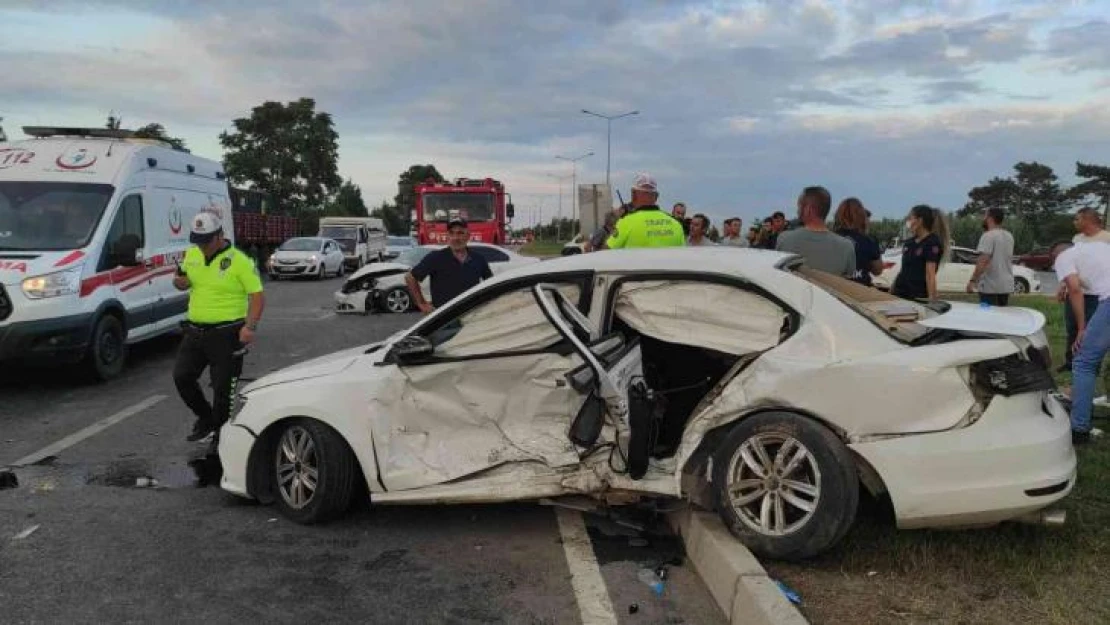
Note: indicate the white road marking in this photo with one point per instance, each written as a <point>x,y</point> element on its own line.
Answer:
<point>585,574</point>
<point>54,448</point>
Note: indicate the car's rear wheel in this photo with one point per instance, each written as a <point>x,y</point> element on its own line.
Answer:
<point>785,485</point>
<point>1021,285</point>
<point>398,300</point>
<point>313,472</point>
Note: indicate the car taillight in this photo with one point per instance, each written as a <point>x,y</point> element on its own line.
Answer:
<point>1011,375</point>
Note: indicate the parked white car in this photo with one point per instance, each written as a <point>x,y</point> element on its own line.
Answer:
<point>674,373</point>
<point>381,287</point>
<point>395,245</point>
<point>577,245</point>
<point>314,257</point>
<point>954,274</point>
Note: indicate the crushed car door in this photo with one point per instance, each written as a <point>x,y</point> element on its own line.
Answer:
<point>620,408</point>
<point>493,390</point>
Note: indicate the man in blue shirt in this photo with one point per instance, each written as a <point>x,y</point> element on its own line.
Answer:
<point>453,270</point>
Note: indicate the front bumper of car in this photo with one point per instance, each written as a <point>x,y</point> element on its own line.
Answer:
<point>294,269</point>
<point>362,301</point>
<point>1016,459</point>
<point>236,442</point>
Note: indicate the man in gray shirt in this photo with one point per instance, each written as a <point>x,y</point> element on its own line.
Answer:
<point>822,249</point>
<point>994,275</point>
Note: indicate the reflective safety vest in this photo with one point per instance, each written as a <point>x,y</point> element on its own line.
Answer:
<point>647,226</point>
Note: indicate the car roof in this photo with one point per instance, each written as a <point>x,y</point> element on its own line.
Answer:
<point>317,239</point>
<point>739,262</point>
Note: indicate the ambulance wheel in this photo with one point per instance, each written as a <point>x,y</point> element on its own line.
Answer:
<point>107,349</point>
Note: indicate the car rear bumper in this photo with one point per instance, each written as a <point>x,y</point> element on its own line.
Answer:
<point>1017,458</point>
<point>236,442</point>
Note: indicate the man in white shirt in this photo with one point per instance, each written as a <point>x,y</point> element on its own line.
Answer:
<point>732,236</point>
<point>1085,269</point>
<point>1088,226</point>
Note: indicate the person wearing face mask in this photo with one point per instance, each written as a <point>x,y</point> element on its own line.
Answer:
<point>922,254</point>
<point>993,276</point>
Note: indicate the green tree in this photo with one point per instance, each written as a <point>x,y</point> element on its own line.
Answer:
<point>1001,192</point>
<point>287,150</point>
<point>1033,196</point>
<point>390,214</point>
<point>3,137</point>
<point>1095,188</point>
<point>405,200</point>
<point>157,131</point>
<point>113,122</point>
<point>347,202</point>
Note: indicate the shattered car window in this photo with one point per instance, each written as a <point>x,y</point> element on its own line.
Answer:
<point>896,316</point>
<point>511,322</point>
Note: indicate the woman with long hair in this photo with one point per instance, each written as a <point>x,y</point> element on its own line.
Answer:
<point>850,222</point>
<point>922,254</point>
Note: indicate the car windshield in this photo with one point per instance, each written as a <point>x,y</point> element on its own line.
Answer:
<point>467,206</point>
<point>50,215</point>
<point>413,256</point>
<point>339,233</point>
<point>895,316</point>
<point>301,245</point>
<point>400,241</point>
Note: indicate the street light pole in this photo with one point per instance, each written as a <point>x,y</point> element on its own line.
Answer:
<point>574,177</point>
<point>609,135</point>
<point>558,226</point>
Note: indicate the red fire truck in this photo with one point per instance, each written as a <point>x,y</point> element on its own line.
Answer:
<point>483,203</point>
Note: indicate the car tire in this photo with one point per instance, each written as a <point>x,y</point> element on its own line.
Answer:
<point>304,448</point>
<point>823,479</point>
<point>1021,286</point>
<point>397,300</point>
<point>107,351</point>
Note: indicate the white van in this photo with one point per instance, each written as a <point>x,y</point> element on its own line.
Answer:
<point>92,224</point>
<point>363,239</point>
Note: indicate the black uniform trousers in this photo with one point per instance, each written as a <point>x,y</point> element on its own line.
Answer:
<point>217,348</point>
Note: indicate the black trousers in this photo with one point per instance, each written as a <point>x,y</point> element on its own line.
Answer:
<point>215,348</point>
<point>995,299</point>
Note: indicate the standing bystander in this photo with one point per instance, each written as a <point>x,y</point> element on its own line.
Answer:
<point>646,225</point>
<point>699,228</point>
<point>851,222</point>
<point>1089,229</point>
<point>822,250</point>
<point>993,276</point>
<point>453,270</point>
<point>732,236</point>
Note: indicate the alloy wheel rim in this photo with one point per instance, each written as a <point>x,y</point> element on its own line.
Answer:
<point>298,467</point>
<point>774,484</point>
<point>397,301</point>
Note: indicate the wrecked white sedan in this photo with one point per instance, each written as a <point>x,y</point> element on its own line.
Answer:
<point>738,380</point>
<point>381,287</point>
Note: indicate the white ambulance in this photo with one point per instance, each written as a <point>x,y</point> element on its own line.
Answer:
<point>92,223</point>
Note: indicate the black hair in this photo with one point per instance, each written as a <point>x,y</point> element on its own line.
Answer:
<point>996,214</point>
<point>777,215</point>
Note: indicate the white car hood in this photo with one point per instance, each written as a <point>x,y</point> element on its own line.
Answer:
<point>330,364</point>
<point>1007,321</point>
<point>377,268</point>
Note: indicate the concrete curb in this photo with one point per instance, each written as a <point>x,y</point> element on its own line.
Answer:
<point>734,577</point>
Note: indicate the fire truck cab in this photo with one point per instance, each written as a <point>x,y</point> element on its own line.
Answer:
<point>482,203</point>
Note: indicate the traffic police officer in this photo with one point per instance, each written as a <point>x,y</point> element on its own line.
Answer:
<point>225,305</point>
<point>646,225</point>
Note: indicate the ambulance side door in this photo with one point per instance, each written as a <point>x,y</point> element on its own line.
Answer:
<point>131,281</point>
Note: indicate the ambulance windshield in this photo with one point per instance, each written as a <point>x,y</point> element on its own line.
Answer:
<point>50,216</point>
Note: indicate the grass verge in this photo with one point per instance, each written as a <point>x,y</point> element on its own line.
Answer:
<point>1005,574</point>
<point>541,248</point>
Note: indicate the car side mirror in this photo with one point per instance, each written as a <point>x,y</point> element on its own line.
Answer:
<point>412,349</point>
<point>127,252</point>
<point>510,210</point>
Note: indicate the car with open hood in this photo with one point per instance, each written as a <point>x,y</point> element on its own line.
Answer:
<point>736,380</point>
<point>381,287</point>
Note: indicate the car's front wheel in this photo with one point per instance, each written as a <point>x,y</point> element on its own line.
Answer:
<point>785,485</point>
<point>398,300</point>
<point>313,471</point>
<point>1021,285</point>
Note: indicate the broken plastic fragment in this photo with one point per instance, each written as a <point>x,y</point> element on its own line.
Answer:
<point>791,594</point>
<point>27,532</point>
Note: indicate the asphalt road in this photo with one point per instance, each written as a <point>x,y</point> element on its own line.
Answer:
<point>81,542</point>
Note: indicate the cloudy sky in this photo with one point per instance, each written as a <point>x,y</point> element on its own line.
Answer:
<point>742,103</point>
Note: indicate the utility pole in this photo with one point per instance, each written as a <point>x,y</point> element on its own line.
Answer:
<point>559,227</point>
<point>574,177</point>
<point>609,136</point>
